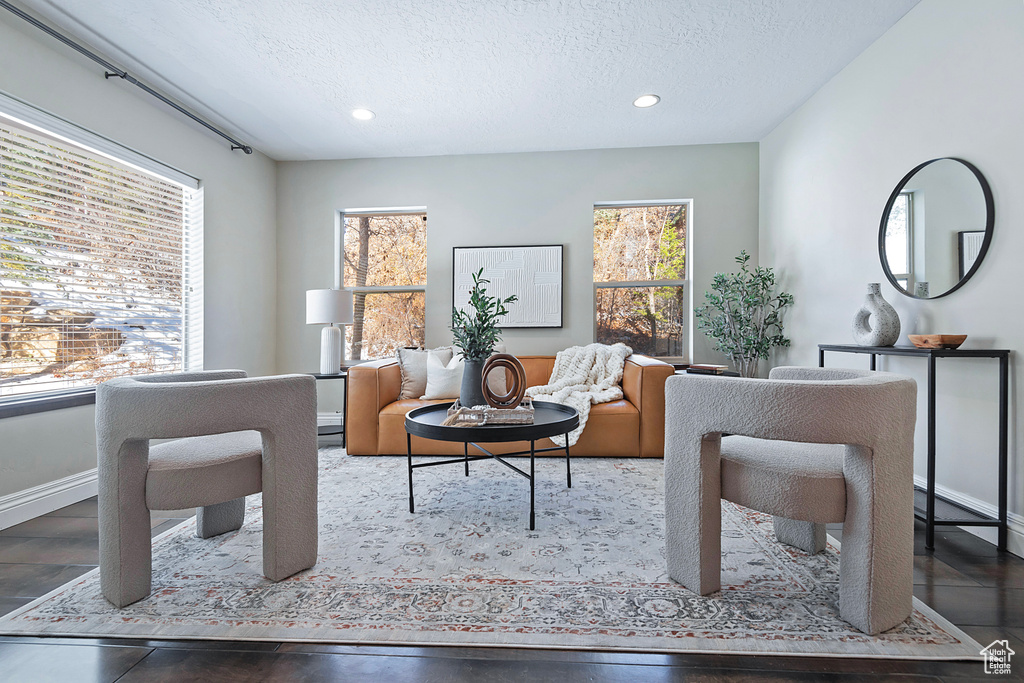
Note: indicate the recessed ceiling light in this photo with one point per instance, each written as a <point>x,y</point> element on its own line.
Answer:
<point>363,114</point>
<point>645,101</point>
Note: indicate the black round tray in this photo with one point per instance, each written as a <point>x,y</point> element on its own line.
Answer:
<point>549,419</point>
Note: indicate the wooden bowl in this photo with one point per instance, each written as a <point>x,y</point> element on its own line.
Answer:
<point>936,341</point>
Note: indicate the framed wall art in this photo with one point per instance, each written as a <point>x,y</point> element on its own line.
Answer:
<point>532,273</point>
<point>969,244</point>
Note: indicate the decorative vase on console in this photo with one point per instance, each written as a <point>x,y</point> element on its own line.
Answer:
<point>876,323</point>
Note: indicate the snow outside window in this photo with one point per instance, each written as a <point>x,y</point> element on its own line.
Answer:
<point>100,267</point>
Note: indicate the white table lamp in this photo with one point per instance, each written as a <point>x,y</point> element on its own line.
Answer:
<point>329,307</point>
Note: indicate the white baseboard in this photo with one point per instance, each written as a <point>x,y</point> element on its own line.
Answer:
<point>1014,522</point>
<point>25,505</point>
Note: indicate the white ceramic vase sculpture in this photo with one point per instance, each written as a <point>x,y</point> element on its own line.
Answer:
<point>876,323</point>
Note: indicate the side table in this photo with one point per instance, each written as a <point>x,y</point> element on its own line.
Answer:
<point>929,507</point>
<point>550,419</point>
<point>328,430</point>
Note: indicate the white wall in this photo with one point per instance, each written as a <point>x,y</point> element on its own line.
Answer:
<point>944,81</point>
<point>239,221</point>
<point>495,199</point>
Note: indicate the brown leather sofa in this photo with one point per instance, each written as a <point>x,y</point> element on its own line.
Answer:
<point>631,427</point>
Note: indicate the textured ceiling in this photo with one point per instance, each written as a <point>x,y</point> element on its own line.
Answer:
<point>476,76</point>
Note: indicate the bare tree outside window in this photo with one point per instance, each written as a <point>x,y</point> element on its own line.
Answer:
<point>640,276</point>
<point>385,264</point>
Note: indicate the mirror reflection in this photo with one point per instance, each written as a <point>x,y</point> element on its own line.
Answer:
<point>935,229</point>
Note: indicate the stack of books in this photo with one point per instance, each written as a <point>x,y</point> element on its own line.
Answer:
<point>707,369</point>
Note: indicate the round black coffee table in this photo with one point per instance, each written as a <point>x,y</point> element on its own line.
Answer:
<point>549,419</point>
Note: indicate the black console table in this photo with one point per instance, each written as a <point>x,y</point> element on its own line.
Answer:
<point>933,509</point>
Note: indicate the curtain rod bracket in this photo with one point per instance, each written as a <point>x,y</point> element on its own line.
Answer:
<point>245,148</point>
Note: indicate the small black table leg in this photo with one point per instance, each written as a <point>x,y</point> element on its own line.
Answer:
<point>568,472</point>
<point>408,447</point>
<point>465,451</point>
<point>874,365</point>
<point>821,358</point>
<point>532,480</point>
<point>1004,363</point>
<point>929,514</point>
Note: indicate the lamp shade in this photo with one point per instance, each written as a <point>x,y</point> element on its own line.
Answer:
<point>328,306</point>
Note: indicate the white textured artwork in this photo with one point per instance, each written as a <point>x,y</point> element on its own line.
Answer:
<point>533,274</point>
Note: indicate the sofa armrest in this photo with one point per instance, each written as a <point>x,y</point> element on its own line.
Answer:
<point>643,383</point>
<point>371,386</point>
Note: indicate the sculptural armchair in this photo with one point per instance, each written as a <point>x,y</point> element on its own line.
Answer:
<point>235,436</point>
<point>810,446</point>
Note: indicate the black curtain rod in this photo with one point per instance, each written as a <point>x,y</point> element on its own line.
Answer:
<point>114,72</point>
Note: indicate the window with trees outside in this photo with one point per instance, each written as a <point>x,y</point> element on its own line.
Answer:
<point>640,277</point>
<point>100,267</point>
<point>385,265</point>
<point>899,239</point>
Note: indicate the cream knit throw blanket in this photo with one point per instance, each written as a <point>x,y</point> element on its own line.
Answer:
<point>582,376</point>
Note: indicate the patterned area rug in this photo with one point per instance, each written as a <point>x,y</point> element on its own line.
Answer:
<point>464,570</point>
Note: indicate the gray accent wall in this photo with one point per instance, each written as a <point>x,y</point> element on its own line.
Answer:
<point>944,81</point>
<point>240,241</point>
<point>508,199</point>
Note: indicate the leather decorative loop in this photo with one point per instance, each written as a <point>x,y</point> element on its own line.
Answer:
<point>516,392</point>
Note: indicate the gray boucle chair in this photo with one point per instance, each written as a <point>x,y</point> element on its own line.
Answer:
<point>236,436</point>
<point>811,446</point>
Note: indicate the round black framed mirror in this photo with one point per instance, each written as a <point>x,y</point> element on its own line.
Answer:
<point>936,228</point>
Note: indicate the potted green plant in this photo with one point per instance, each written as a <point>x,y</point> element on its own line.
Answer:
<point>475,335</point>
<point>744,315</point>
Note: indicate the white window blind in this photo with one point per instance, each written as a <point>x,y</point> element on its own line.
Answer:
<point>100,267</point>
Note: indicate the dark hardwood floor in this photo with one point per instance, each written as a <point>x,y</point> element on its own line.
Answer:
<point>965,579</point>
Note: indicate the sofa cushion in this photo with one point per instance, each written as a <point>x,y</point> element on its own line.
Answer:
<point>400,408</point>
<point>444,377</point>
<point>538,369</point>
<point>413,366</point>
<point>620,407</point>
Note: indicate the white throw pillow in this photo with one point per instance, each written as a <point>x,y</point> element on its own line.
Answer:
<point>444,379</point>
<point>413,366</point>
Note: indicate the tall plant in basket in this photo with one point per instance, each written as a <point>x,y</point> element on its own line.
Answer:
<point>475,333</point>
<point>744,315</point>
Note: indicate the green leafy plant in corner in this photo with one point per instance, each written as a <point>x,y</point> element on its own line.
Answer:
<point>744,315</point>
<point>476,333</point>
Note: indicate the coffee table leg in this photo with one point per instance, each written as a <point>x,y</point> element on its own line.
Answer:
<point>465,450</point>
<point>568,473</point>
<point>532,480</point>
<point>408,449</point>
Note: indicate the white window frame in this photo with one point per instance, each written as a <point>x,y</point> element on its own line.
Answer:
<point>339,262</point>
<point>19,113</point>
<point>631,284</point>
<point>908,276</point>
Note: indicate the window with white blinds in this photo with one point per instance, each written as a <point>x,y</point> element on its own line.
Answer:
<point>100,267</point>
